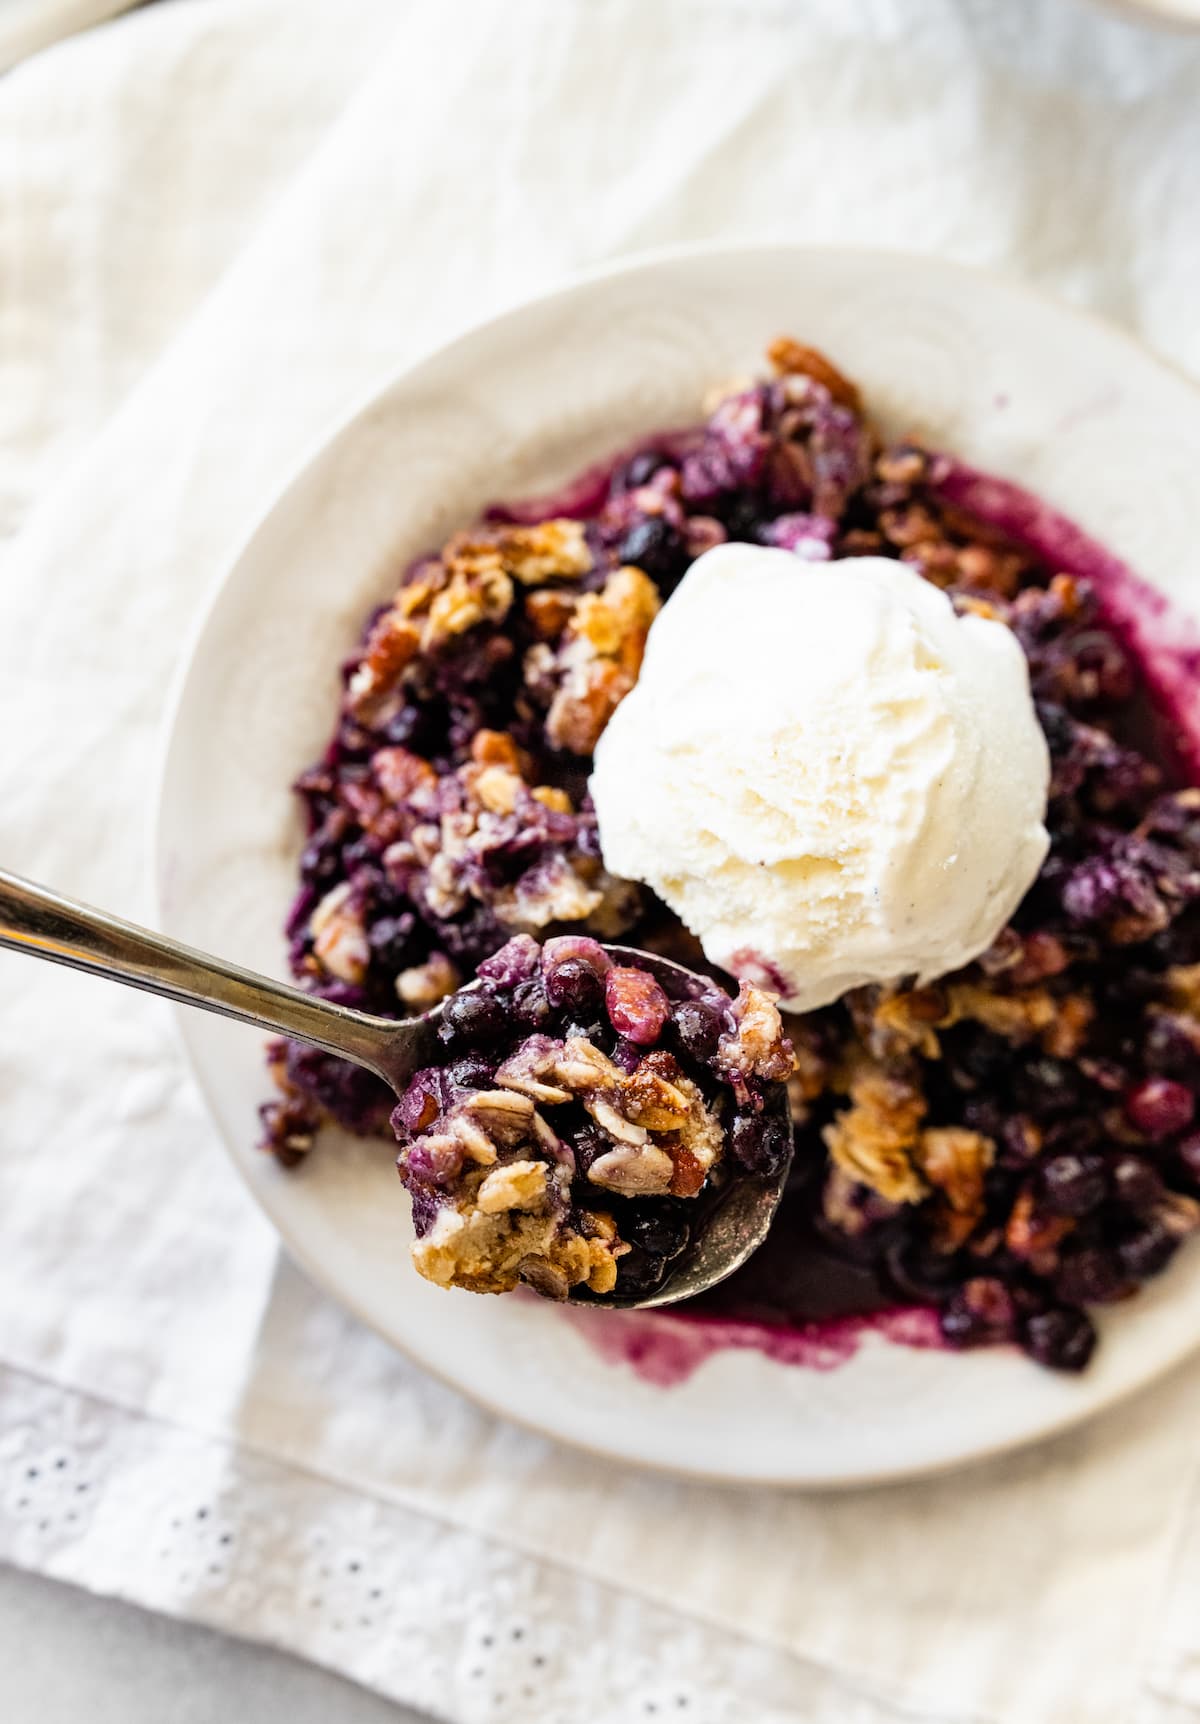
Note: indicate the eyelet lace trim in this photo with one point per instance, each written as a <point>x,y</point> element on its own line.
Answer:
<point>423,1612</point>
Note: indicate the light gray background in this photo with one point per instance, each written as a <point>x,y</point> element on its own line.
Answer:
<point>67,1656</point>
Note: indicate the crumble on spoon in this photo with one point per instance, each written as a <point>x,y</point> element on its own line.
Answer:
<point>567,1157</point>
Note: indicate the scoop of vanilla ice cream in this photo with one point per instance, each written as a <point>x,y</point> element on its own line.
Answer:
<point>828,775</point>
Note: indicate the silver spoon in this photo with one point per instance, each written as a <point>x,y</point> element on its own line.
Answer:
<point>46,925</point>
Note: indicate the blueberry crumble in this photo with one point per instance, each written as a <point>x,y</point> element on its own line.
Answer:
<point>561,1156</point>
<point>1012,1143</point>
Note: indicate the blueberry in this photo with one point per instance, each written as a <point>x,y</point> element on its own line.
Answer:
<point>699,1027</point>
<point>513,963</point>
<point>1172,1046</point>
<point>1049,1088</point>
<point>472,1019</point>
<point>587,1141</point>
<point>639,1273</point>
<point>473,1071</point>
<point>1135,1183</point>
<point>661,1232</point>
<point>530,1006</point>
<point>574,985</point>
<point>391,940</point>
<point>1061,1338</point>
<point>416,728</point>
<point>760,1141</point>
<point>639,469</point>
<point>627,1056</point>
<point>978,1057</point>
<point>654,546</point>
<point>1147,1251</point>
<point>1073,1184</point>
<point>917,1273</point>
<point>980,1313</point>
<point>1089,1275</point>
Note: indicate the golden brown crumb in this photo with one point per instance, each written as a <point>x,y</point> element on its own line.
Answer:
<point>874,1139</point>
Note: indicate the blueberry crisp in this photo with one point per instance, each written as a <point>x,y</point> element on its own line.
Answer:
<point>1012,1143</point>
<point>561,1156</point>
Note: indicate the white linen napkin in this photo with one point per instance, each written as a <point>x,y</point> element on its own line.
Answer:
<point>221,221</point>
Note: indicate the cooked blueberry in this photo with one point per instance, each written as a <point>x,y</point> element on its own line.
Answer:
<point>1073,1184</point>
<point>417,728</point>
<point>1135,1183</point>
<point>661,1232</point>
<point>391,940</point>
<point>473,1071</point>
<point>918,1273</point>
<point>472,1019</point>
<point>760,1141</point>
<point>1172,1046</point>
<point>574,986</point>
<point>1049,1087</point>
<point>530,1007</point>
<point>516,961</point>
<point>1061,1338</point>
<point>979,1314</point>
<point>639,1273</point>
<point>655,546</point>
<point>1089,1275</point>
<point>639,469</point>
<point>1147,1251</point>
<point>698,1027</point>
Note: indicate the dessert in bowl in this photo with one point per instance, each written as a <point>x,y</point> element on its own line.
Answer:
<point>1102,433</point>
<point>780,696</point>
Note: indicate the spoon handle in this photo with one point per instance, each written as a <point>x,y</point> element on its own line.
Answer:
<point>46,925</point>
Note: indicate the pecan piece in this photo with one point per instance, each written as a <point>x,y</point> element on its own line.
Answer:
<point>791,358</point>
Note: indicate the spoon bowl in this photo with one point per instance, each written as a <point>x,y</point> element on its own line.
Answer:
<point>44,924</point>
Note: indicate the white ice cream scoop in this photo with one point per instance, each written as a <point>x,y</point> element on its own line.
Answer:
<point>829,775</point>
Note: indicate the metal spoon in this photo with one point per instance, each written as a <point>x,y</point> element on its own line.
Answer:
<point>46,925</point>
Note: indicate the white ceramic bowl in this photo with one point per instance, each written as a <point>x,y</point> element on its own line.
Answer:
<point>1010,381</point>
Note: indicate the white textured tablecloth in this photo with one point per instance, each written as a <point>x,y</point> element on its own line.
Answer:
<point>220,222</point>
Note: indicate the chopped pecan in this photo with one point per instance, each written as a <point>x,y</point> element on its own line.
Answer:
<point>1034,1235</point>
<point>404,777</point>
<point>391,646</point>
<point>597,661</point>
<point>954,1161</point>
<point>548,551</point>
<point>425,984</point>
<point>339,937</point>
<point>792,358</point>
